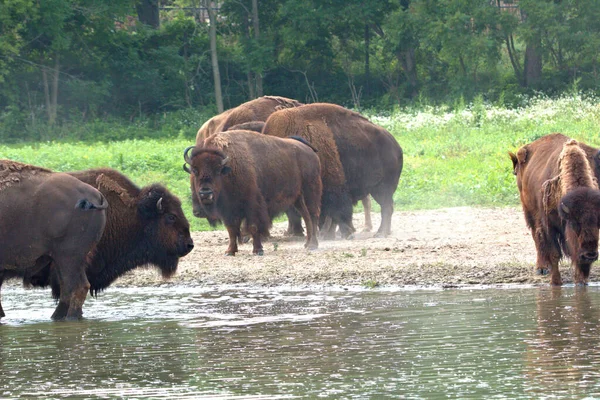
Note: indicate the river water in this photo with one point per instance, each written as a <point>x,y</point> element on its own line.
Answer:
<point>182,342</point>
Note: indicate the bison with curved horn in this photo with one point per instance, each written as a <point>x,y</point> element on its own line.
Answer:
<point>236,181</point>
<point>49,219</point>
<point>561,203</point>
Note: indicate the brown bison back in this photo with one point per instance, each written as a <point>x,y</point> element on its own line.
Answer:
<point>254,110</point>
<point>309,122</point>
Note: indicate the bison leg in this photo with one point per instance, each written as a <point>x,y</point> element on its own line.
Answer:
<point>294,223</point>
<point>257,247</point>
<point>366,201</point>
<point>328,228</point>
<point>386,201</point>
<point>234,233</point>
<point>311,237</point>
<point>548,256</point>
<point>74,288</point>
<point>581,273</point>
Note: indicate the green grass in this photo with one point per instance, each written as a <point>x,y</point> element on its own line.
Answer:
<point>451,157</point>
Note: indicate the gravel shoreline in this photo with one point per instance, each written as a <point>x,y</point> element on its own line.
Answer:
<point>446,247</point>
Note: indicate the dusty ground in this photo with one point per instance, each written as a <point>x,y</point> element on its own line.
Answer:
<point>445,247</point>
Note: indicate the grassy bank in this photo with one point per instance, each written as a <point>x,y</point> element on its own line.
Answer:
<point>452,157</point>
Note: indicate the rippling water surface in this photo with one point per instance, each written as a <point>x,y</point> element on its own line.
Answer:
<point>268,344</point>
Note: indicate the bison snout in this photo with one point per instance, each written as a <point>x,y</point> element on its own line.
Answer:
<point>589,256</point>
<point>206,196</point>
<point>186,247</point>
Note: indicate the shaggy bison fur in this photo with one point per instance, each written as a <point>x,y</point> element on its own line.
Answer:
<point>557,181</point>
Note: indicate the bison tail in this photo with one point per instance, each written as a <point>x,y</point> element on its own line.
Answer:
<point>86,204</point>
<point>302,140</point>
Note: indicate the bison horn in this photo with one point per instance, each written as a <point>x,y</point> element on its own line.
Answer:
<point>186,156</point>
<point>564,208</point>
<point>225,160</point>
<point>159,204</point>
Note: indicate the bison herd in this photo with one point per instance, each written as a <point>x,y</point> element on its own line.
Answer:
<point>78,232</point>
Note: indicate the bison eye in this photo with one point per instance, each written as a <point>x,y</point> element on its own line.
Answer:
<point>195,171</point>
<point>170,218</point>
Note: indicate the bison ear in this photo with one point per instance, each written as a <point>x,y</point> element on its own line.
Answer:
<point>515,161</point>
<point>551,194</point>
<point>522,155</point>
<point>109,187</point>
<point>151,205</point>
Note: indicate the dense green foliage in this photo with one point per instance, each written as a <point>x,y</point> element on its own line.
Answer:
<point>452,157</point>
<point>66,62</point>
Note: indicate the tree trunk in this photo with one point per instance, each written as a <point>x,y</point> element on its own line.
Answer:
<point>251,91</point>
<point>187,82</point>
<point>255,25</point>
<point>213,55</point>
<point>51,93</point>
<point>409,65</point>
<point>148,12</point>
<point>367,63</point>
<point>533,63</point>
<point>249,74</point>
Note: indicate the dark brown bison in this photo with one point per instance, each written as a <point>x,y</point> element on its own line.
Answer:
<point>561,202</point>
<point>49,218</point>
<point>358,158</point>
<point>246,116</point>
<point>144,227</point>
<point>241,175</point>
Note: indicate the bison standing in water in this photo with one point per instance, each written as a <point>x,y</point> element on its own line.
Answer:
<point>241,175</point>
<point>561,202</point>
<point>144,227</point>
<point>357,157</point>
<point>49,218</point>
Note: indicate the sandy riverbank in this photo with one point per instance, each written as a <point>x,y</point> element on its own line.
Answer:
<point>446,247</point>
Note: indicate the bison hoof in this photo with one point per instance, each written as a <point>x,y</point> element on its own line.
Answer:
<point>230,253</point>
<point>259,253</point>
<point>543,271</point>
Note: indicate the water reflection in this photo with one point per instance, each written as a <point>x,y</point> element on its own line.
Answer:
<point>185,342</point>
<point>563,355</point>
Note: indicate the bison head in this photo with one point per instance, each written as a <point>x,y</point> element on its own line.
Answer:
<point>580,210</point>
<point>166,229</point>
<point>207,167</point>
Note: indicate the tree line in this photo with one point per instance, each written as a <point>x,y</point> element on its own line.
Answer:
<point>81,59</point>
